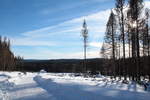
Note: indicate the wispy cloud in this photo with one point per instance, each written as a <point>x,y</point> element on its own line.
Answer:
<point>68,34</point>
<point>69,29</point>
<point>147,4</point>
<point>31,42</point>
<point>61,7</point>
<point>95,44</point>
<point>93,21</point>
<point>46,53</point>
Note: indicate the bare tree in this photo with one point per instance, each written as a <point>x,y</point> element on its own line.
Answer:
<point>147,14</point>
<point>135,9</point>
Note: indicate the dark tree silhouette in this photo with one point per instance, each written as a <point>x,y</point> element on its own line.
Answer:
<point>130,28</point>
<point>120,13</point>
<point>109,47</point>
<point>7,59</point>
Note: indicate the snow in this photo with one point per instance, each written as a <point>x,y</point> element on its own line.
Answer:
<point>66,86</point>
<point>42,71</point>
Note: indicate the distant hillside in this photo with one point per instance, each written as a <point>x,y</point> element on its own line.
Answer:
<point>62,65</point>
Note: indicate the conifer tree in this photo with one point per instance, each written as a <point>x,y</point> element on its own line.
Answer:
<point>110,40</point>
<point>85,37</point>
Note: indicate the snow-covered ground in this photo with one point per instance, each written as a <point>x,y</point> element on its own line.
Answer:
<point>62,86</point>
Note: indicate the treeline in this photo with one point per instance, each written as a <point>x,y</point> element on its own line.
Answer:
<point>126,46</point>
<point>63,65</point>
<point>8,62</point>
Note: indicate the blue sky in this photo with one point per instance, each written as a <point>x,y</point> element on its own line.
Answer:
<point>51,29</point>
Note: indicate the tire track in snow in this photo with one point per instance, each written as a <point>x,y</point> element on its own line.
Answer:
<point>5,85</point>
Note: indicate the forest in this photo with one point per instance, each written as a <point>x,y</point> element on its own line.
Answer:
<point>94,66</point>
<point>8,61</point>
<point>126,46</point>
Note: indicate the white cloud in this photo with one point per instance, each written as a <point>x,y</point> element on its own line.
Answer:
<point>31,42</point>
<point>147,4</point>
<point>44,53</point>
<point>93,21</point>
<point>95,44</point>
<point>68,29</point>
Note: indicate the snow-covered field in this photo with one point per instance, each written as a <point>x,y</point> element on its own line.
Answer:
<point>62,86</point>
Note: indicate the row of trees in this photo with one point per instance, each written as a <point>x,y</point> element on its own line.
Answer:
<point>8,61</point>
<point>127,40</point>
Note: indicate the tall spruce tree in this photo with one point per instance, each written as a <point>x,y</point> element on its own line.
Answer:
<point>120,13</point>
<point>85,37</point>
<point>110,40</point>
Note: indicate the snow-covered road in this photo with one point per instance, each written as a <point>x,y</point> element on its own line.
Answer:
<point>51,86</point>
